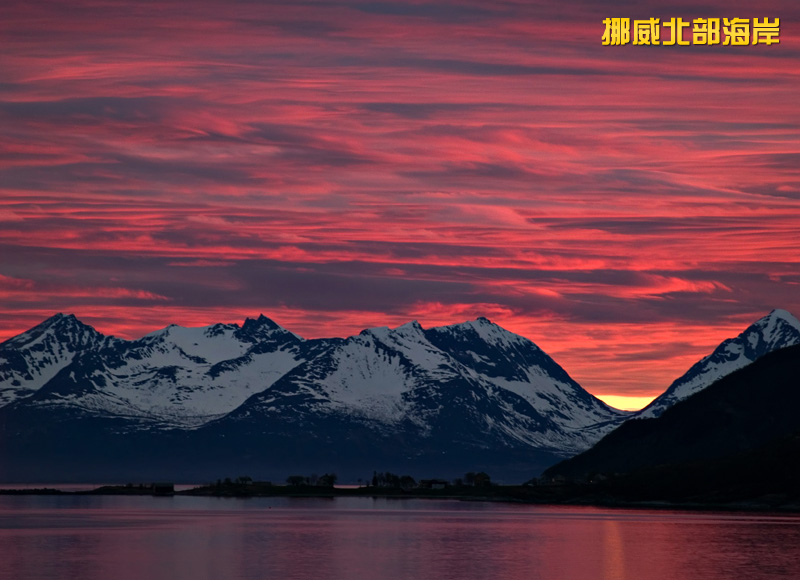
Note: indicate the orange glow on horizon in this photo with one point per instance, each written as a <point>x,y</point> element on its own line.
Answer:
<point>626,403</point>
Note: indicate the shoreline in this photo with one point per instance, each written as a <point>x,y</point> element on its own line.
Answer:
<point>529,495</point>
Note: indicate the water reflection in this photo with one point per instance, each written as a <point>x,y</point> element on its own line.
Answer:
<point>176,538</point>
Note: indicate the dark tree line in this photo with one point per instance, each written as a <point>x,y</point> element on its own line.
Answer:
<point>324,480</point>
<point>480,479</point>
<point>389,479</point>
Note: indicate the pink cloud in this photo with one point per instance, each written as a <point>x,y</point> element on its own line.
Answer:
<point>481,159</point>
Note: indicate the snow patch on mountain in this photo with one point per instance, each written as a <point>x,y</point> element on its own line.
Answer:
<point>213,343</point>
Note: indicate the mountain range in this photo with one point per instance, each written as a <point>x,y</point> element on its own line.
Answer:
<point>191,403</point>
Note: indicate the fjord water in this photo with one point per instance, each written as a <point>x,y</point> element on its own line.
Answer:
<point>94,537</point>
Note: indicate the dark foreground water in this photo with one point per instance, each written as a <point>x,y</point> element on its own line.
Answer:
<point>178,538</point>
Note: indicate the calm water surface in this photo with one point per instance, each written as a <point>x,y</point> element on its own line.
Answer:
<point>179,538</point>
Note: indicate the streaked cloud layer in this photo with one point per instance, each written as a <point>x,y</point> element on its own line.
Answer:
<point>338,165</point>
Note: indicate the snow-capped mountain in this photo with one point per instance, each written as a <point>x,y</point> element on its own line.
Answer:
<point>779,329</point>
<point>444,393</point>
<point>176,376</point>
<point>474,383</point>
<point>28,361</point>
<point>185,377</point>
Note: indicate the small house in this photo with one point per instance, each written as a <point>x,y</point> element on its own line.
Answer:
<point>433,483</point>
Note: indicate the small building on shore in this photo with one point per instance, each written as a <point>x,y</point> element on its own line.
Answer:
<point>433,483</point>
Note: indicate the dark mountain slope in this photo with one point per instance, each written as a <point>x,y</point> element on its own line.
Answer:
<point>741,412</point>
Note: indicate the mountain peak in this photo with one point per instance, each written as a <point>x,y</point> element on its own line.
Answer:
<point>31,359</point>
<point>260,323</point>
<point>778,314</point>
<point>779,329</point>
<point>414,325</point>
<point>485,329</point>
<point>59,323</point>
<point>264,328</point>
<point>59,317</point>
<point>776,330</point>
<point>480,322</point>
<point>409,329</point>
<point>484,324</point>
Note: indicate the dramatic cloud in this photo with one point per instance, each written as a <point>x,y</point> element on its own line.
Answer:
<point>337,165</point>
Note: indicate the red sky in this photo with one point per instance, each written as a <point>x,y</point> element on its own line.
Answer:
<point>339,165</point>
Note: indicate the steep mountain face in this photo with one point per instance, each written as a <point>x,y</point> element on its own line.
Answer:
<point>777,330</point>
<point>442,397</point>
<point>516,364</point>
<point>28,361</point>
<point>752,408</point>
